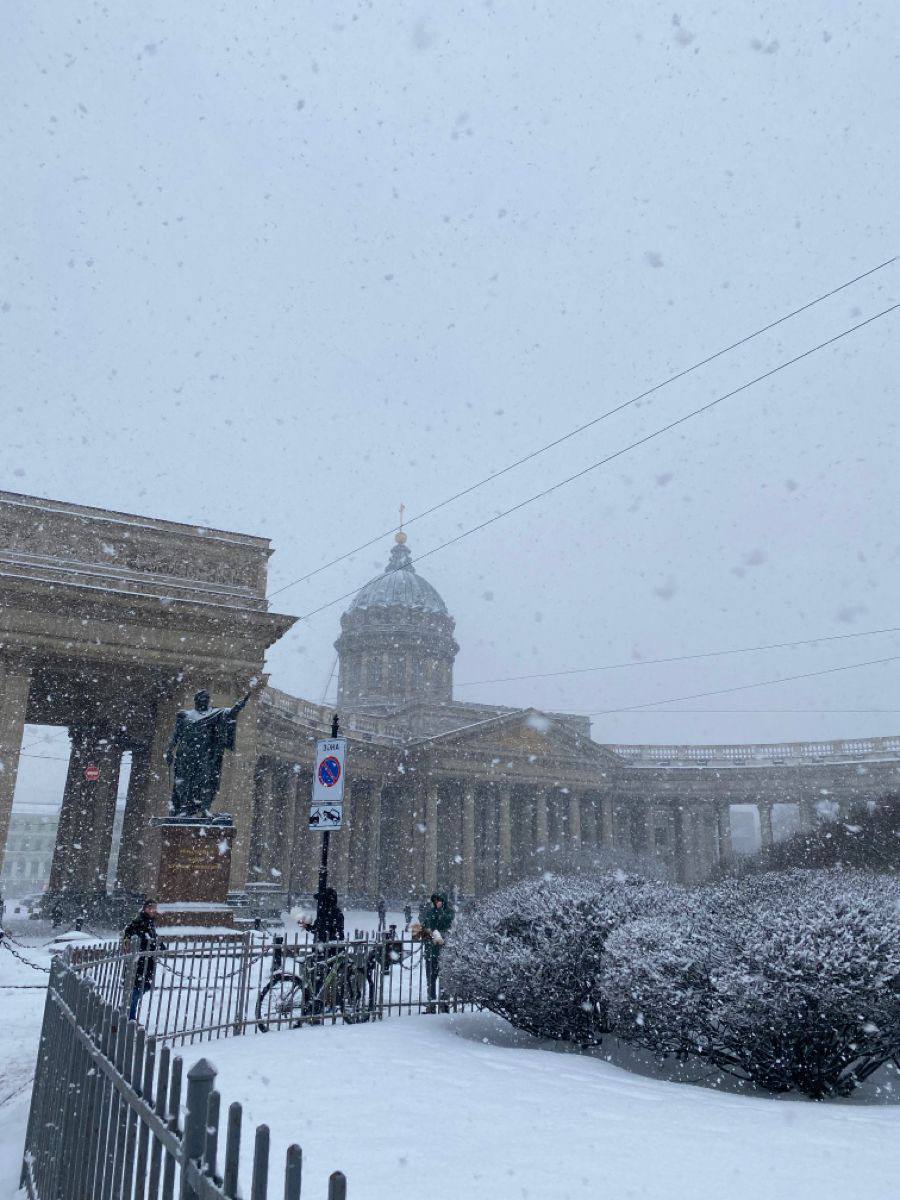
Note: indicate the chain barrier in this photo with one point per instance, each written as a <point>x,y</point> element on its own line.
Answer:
<point>4,943</point>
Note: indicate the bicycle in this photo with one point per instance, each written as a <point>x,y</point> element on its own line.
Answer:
<point>329,982</point>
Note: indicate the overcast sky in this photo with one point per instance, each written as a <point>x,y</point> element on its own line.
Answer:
<point>279,267</point>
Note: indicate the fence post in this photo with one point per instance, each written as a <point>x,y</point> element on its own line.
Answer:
<point>201,1078</point>
<point>211,1149</point>
<point>337,1186</point>
<point>232,1151</point>
<point>293,1172</point>
<point>259,1182</point>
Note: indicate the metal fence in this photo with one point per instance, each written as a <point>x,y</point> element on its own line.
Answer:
<point>207,987</point>
<point>106,1113</point>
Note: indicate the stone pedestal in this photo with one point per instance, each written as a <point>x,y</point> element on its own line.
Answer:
<point>194,871</point>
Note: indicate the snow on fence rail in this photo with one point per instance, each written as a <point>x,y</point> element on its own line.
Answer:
<point>106,1113</point>
<point>222,985</point>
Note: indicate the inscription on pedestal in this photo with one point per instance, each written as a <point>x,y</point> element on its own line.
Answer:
<point>194,871</point>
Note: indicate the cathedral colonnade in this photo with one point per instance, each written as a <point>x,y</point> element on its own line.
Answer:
<point>404,838</point>
<point>110,622</point>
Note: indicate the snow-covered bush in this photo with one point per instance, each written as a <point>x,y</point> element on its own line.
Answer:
<point>790,980</point>
<point>533,952</point>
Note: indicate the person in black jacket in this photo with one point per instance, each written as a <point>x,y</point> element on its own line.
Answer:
<point>329,923</point>
<point>143,927</point>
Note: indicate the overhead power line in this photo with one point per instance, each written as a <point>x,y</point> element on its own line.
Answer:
<point>587,425</point>
<point>624,450</point>
<point>649,662</point>
<point>743,687</point>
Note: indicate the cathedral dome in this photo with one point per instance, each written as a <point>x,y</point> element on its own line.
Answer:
<point>396,643</point>
<point>400,586</point>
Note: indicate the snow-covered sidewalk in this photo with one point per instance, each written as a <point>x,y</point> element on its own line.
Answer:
<point>449,1106</point>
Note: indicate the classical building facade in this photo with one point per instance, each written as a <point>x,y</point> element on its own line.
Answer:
<point>468,796</point>
<point>109,622</point>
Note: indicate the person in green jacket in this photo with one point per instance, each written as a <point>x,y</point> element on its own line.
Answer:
<point>436,917</point>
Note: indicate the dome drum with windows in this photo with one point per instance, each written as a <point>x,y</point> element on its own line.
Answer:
<point>396,642</point>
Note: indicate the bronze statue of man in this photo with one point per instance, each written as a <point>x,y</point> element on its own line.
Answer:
<point>201,736</point>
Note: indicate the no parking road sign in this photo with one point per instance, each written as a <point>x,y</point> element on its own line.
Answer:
<point>326,810</point>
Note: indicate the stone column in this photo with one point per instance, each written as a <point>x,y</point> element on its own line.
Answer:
<point>373,849</point>
<point>679,858</point>
<point>574,824</point>
<point>468,837</point>
<point>14,685</point>
<point>131,874</point>
<point>541,830</point>
<point>104,814</point>
<point>588,820</point>
<point>807,815</point>
<point>84,833</point>
<point>504,838</point>
<point>607,826</point>
<point>723,826</point>
<point>290,826</point>
<point>766,838</point>
<point>430,839</point>
<point>260,853</point>
<point>650,831</point>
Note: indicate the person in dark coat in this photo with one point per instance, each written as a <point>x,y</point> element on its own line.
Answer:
<point>329,923</point>
<point>435,918</point>
<point>143,927</point>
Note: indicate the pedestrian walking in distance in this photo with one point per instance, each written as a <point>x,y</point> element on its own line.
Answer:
<point>382,913</point>
<point>435,920</point>
<point>143,927</point>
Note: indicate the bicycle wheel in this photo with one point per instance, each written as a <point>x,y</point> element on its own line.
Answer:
<point>282,995</point>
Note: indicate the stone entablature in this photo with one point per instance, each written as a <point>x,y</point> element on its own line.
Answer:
<point>49,542</point>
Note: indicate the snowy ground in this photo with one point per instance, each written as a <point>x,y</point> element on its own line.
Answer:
<point>449,1106</point>
<point>442,1107</point>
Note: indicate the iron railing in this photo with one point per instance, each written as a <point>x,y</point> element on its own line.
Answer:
<point>207,987</point>
<point>106,1113</point>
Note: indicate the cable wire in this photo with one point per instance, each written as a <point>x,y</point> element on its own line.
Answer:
<point>742,687</point>
<point>649,662</point>
<point>587,425</point>
<point>624,450</point>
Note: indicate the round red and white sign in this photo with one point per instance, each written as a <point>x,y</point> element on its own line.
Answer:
<point>92,773</point>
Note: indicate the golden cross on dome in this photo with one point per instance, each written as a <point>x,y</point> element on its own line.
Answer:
<point>400,536</point>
